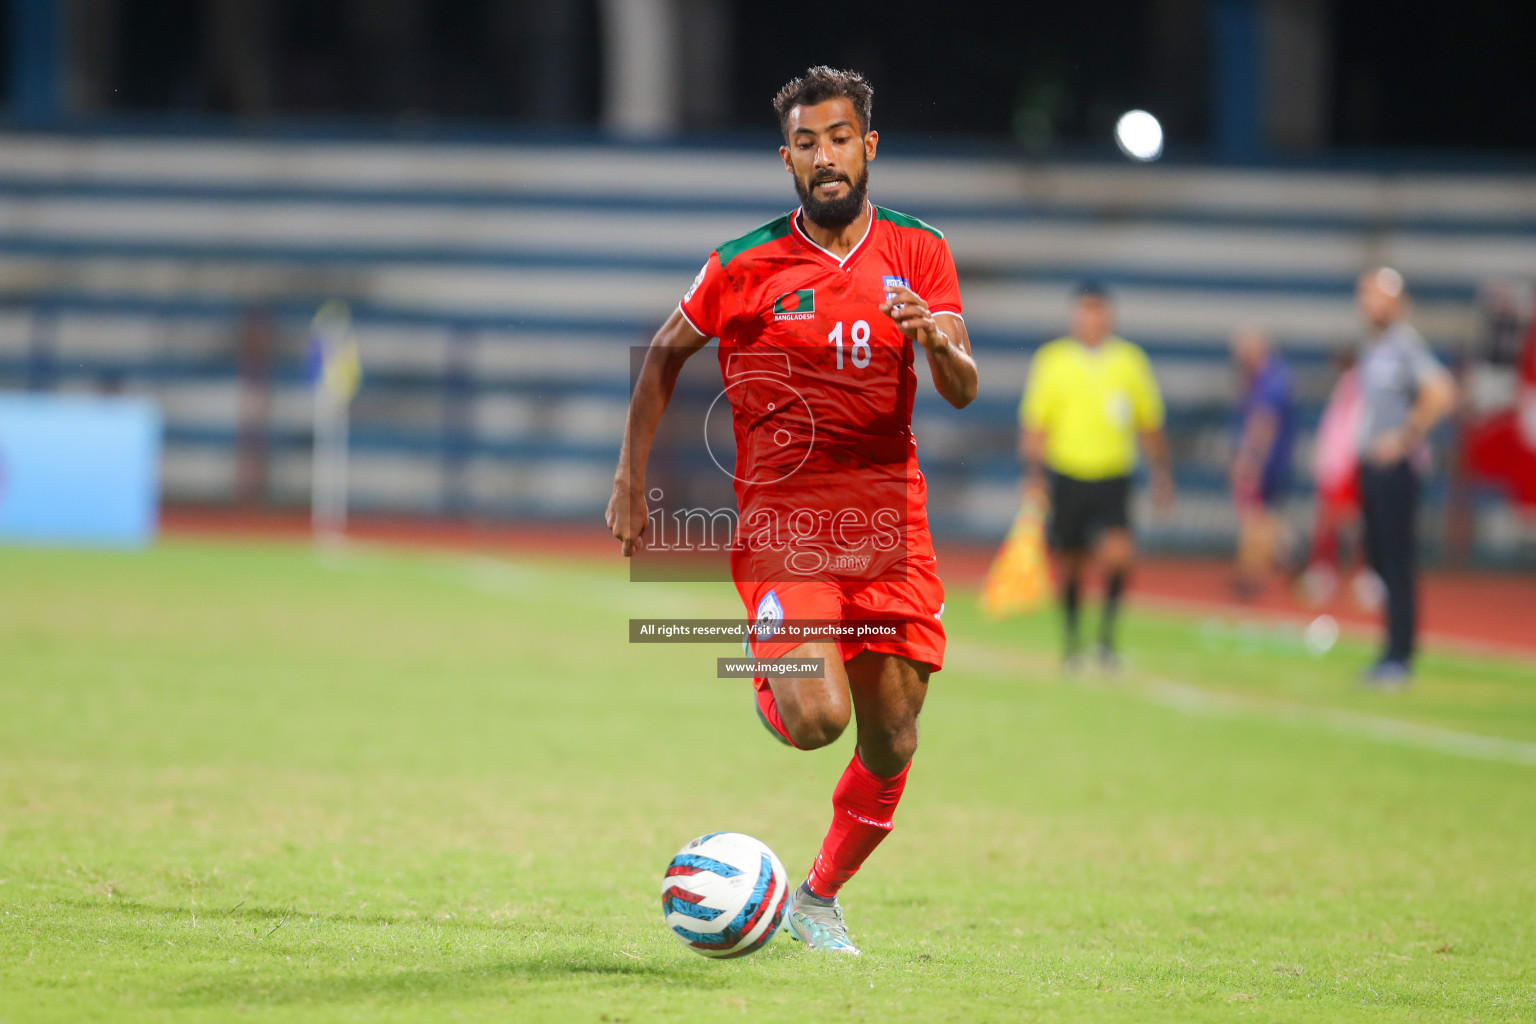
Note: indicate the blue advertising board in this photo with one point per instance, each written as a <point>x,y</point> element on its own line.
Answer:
<point>79,470</point>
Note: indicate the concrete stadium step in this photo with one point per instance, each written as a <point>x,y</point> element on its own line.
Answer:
<point>641,298</point>
<point>1194,252</point>
<point>497,291</point>
<point>284,230</point>
<point>687,175</point>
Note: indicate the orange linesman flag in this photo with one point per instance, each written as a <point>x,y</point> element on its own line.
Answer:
<point>1020,577</point>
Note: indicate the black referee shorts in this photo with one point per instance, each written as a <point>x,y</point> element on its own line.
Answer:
<point>1083,509</point>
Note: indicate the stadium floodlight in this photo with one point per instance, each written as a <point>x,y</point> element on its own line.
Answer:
<point>1139,135</point>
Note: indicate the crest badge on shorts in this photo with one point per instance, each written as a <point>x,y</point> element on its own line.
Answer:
<point>770,613</point>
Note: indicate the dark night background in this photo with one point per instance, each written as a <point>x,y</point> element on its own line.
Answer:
<point>1424,76</point>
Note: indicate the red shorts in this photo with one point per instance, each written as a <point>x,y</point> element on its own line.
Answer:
<point>916,601</point>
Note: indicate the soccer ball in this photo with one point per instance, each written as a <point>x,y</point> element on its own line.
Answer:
<point>724,895</point>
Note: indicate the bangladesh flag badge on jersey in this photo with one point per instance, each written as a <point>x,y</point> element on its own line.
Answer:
<point>800,305</point>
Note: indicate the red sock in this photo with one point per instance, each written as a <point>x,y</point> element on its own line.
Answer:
<point>862,806</point>
<point>768,711</point>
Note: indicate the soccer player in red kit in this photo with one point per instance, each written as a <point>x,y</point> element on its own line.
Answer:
<point>831,300</point>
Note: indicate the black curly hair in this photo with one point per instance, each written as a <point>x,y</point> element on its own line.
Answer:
<point>820,84</point>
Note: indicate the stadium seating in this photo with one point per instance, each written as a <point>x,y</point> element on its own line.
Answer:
<point>495,289</point>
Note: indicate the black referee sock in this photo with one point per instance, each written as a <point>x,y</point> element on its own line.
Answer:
<point>1114,586</point>
<point>1071,600</point>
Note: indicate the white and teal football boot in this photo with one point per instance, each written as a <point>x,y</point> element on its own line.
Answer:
<point>818,923</point>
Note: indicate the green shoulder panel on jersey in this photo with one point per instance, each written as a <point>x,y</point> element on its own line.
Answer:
<point>761,235</point>
<point>902,220</point>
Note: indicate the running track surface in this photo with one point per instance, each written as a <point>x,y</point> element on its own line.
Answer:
<point>1492,612</point>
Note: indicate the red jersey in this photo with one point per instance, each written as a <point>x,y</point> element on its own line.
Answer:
<point>821,385</point>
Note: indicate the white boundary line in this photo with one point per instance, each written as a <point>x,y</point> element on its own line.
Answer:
<point>504,578</point>
<point>1438,642</point>
<point>1197,701</point>
<point>1194,700</point>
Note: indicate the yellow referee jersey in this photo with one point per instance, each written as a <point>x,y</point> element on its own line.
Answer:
<point>1091,403</point>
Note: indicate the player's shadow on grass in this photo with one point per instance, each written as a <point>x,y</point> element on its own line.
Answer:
<point>278,928</point>
<point>500,979</point>
<point>240,912</point>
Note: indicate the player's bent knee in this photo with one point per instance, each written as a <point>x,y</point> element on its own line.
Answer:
<point>818,727</point>
<point>815,711</point>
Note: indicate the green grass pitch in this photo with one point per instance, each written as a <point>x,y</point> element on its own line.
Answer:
<point>247,782</point>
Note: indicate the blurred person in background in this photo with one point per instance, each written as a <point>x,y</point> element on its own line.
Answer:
<point>1336,473</point>
<point>1261,462</point>
<point>1404,393</point>
<point>1088,398</point>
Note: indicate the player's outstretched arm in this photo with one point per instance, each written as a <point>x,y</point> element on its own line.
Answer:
<point>673,344</point>
<point>945,338</point>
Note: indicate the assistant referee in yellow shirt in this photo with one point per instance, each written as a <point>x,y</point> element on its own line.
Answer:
<point>1089,397</point>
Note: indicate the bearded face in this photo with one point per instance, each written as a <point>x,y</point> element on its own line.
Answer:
<point>827,152</point>
<point>831,198</point>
